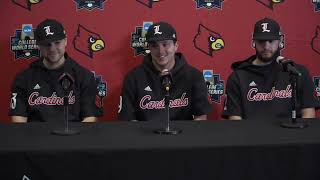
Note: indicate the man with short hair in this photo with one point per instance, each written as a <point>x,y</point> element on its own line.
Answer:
<point>143,94</point>
<point>37,92</point>
<point>258,86</point>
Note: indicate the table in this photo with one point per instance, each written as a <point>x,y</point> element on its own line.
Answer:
<point>215,150</point>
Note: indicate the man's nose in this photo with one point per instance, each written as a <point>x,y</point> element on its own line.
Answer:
<point>51,46</point>
<point>266,44</point>
<point>161,49</point>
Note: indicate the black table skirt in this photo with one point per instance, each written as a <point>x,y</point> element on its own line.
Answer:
<point>215,150</point>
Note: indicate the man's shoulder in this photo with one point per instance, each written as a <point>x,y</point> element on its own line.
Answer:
<point>136,71</point>
<point>187,68</point>
<point>74,64</point>
<point>28,70</point>
<point>302,67</point>
<point>78,68</point>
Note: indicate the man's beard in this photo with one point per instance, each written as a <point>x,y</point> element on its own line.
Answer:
<point>267,60</point>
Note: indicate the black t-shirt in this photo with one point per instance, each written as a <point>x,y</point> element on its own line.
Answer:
<point>143,95</point>
<point>265,91</point>
<point>38,94</point>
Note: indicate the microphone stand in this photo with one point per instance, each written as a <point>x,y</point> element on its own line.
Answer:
<point>167,129</point>
<point>294,123</point>
<point>66,131</point>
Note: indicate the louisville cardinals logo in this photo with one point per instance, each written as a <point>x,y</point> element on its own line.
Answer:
<point>208,41</point>
<point>87,42</point>
<point>25,177</point>
<point>26,4</point>
<point>148,3</point>
<point>315,43</point>
<point>209,4</point>
<point>270,3</point>
<point>316,5</point>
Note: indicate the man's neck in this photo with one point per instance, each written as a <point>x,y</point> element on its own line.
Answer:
<point>55,65</point>
<point>161,68</point>
<point>258,62</point>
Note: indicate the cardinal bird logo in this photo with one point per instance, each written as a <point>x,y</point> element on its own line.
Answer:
<point>270,3</point>
<point>208,41</point>
<point>26,4</point>
<point>87,42</point>
<point>148,3</point>
<point>315,43</point>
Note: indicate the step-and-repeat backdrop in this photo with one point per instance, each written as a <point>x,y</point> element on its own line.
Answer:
<point>121,25</point>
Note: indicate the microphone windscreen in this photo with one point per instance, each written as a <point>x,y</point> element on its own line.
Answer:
<point>279,58</point>
<point>66,81</point>
<point>164,72</point>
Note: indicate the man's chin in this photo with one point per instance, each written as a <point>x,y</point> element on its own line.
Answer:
<point>263,59</point>
<point>53,60</point>
<point>162,61</point>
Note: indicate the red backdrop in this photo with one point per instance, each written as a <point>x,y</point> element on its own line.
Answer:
<point>115,21</point>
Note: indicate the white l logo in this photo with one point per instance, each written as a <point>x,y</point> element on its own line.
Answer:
<point>25,177</point>
<point>156,30</point>
<point>265,27</point>
<point>48,31</point>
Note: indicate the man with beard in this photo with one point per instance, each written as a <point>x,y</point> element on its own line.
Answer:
<point>258,87</point>
<point>37,92</point>
<point>143,91</point>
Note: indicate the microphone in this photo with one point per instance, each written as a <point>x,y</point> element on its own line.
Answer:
<point>288,65</point>
<point>166,79</point>
<point>166,82</point>
<point>66,81</point>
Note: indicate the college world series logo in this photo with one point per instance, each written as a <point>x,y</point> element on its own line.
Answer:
<point>214,84</point>
<point>26,4</point>
<point>90,4</point>
<point>270,3</point>
<point>87,42</point>
<point>138,39</point>
<point>316,5</point>
<point>148,3</point>
<point>23,43</point>
<point>316,81</point>
<point>208,41</point>
<point>209,4</point>
<point>101,90</point>
<point>315,42</point>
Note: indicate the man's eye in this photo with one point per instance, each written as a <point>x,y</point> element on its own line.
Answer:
<point>153,45</point>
